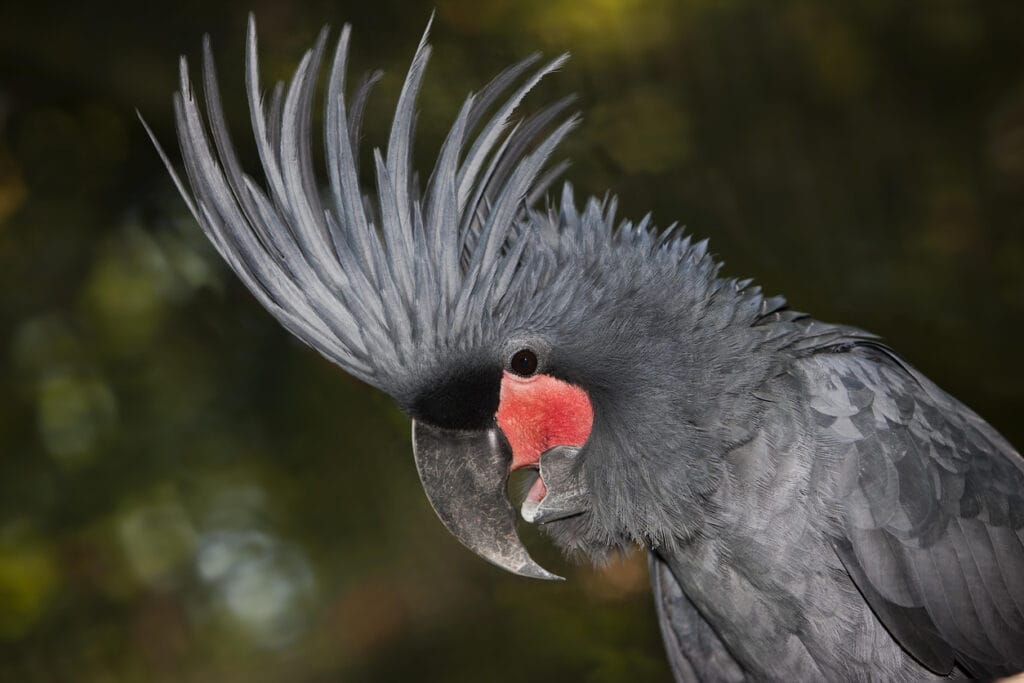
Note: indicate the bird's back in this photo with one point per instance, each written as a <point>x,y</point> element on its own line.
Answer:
<point>872,527</point>
<point>932,518</point>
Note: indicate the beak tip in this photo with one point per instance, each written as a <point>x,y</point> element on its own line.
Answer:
<point>537,572</point>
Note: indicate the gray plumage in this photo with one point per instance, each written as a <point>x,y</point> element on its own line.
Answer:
<point>815,508</point>
<point>877,500</point>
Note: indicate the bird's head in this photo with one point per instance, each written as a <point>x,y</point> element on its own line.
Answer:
<point>515,337</point>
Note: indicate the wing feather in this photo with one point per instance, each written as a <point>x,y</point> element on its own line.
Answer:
<point>931,533</point>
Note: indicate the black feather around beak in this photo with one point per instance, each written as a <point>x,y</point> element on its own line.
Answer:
<point>465,477</point>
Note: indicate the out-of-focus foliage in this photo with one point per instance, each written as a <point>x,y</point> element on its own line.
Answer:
<point>188,494</point>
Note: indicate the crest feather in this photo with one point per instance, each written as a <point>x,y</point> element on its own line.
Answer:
<point>366,279</point>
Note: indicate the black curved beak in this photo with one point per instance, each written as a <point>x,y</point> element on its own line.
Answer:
<point>465,477</point>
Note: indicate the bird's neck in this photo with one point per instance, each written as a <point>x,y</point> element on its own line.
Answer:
<point>663,443</point>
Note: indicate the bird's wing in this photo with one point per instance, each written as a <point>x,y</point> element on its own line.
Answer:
<point>694,650</point>
<point>932,520</point>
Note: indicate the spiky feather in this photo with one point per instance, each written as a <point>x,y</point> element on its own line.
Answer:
<point>376,281</point>
<point>367,289</point>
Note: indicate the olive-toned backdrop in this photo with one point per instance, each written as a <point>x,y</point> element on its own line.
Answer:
<point>187,494</point>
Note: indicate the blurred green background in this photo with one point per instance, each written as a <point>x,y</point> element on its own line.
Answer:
<point>187,494</point>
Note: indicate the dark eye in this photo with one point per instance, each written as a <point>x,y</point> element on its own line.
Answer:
<point>523,363</point>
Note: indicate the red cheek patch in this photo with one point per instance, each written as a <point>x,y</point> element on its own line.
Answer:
<point>540,412</point>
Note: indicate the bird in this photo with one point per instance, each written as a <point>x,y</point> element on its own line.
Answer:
<point>812,506</point>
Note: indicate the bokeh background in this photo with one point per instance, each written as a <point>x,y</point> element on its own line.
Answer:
<point>187,494</point>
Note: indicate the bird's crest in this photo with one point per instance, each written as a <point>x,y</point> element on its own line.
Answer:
<point>383,283</point>
<point>368,278</point>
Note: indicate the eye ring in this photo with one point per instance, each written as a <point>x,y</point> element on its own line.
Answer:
<point>524,363</point>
